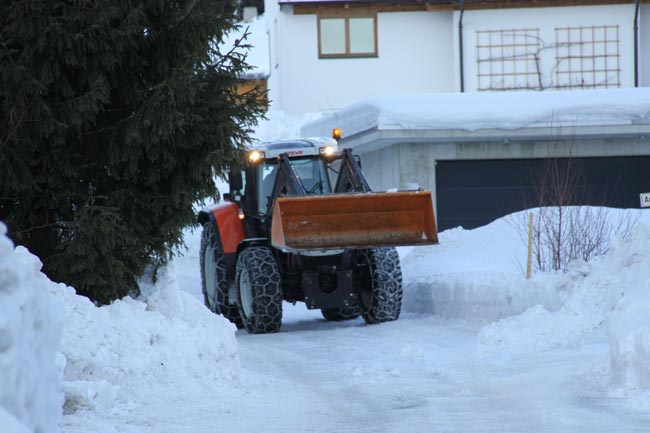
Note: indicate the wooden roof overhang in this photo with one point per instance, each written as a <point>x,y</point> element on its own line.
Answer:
<point>317,6</point>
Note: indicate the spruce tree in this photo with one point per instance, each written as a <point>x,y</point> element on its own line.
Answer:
<point>115,116</point>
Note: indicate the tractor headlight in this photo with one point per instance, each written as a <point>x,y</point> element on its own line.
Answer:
<point>326,150</point>
<point>255,156</point>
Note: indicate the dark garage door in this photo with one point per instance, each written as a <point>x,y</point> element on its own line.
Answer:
<point>473,193</point>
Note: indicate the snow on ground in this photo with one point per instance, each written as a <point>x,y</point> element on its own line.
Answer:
<point>478,348</point>
<point>31,321</point>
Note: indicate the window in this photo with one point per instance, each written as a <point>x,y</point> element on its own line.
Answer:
<point>347,37</point>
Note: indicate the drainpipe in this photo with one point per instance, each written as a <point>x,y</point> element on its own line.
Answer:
<point>460,44</point>
<point>636,44</point>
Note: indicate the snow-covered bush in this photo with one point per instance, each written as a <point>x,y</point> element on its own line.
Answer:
<point>562,234</point>
<point>31,321</point>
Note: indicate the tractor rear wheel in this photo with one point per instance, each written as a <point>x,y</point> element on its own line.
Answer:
<point>380,297</point>
<point>214,282</point>
<point>260,291</point>
<point>340,314</point>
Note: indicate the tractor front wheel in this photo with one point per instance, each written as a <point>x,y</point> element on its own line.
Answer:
<point>260,291</point>
<point>380,297</point>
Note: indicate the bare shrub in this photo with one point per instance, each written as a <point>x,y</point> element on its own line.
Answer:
<point>564,228</point>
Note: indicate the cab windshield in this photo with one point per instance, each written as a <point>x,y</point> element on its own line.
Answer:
<point>312,173</point>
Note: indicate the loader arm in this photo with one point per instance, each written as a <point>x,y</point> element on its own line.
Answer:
<point>287,182</point>
<point>351,178</point>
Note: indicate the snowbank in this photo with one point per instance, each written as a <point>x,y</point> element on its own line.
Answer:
<point>31,321</point>
<point>121,354</point>
<point>107,360</point>
<point>477,275</point>
<point>629,324</point>
<point>476,111</point>
<point>593,291</point>
<point>474,275</point>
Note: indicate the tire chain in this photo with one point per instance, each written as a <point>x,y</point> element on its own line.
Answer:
<point>265,287</point>
<point>386,286</point>
<point>220,305</point>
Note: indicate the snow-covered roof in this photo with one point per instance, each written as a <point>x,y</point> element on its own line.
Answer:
<point>462,116</point>
<point>258,53</point>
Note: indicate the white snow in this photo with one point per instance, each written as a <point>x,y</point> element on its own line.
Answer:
<point>31,321</point>
<point>486,110</point>
<point>478,348</point>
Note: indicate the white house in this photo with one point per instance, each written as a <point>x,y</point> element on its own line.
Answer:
<point>327,54</point>
<point>428,92</point>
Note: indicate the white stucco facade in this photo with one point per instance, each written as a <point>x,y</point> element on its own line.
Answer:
<point>415,55</point>
<point>419,52</point>
<point>547,30</point>
<point>644,46</point>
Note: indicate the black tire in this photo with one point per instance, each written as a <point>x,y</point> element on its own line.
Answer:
<point>214,283</point>
<point>380,297</point>
<point>259,290</point>
<point>340,314</point>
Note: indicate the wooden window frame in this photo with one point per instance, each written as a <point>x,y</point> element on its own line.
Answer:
<point>347,17</point>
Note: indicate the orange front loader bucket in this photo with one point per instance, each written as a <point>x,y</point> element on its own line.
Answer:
<point>321,222</point>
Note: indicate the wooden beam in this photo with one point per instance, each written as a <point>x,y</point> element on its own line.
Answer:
<point>375,7</point>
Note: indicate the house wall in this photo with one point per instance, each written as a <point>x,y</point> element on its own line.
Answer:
<point>644,46</point>
<point>413,58</point>
<point>547,20</point>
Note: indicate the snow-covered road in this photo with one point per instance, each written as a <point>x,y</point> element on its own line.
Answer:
<point>419,374</point>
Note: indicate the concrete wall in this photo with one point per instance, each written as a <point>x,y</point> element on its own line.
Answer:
<point>413,58</point>
<point>382,168</point>
<point>408,165</point>
<point>547,20</point>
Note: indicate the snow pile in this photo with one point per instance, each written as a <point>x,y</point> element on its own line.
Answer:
<point>121,354</point>
<point>475,275</point>
<point>30,328</point>
<point>107,360</point>
<point>475,111</point>
<point>593,291</point>
<point>629,324</point>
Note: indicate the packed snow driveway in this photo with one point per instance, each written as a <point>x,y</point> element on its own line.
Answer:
<point>530,356</point>
<point>478,350</point>
<point>418,374</point>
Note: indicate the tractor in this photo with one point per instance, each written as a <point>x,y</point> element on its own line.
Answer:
<point>300,223</point>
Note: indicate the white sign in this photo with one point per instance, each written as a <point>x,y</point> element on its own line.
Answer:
<point>645,199</point>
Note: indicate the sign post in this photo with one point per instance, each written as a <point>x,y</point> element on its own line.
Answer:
<point>645,199</point>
